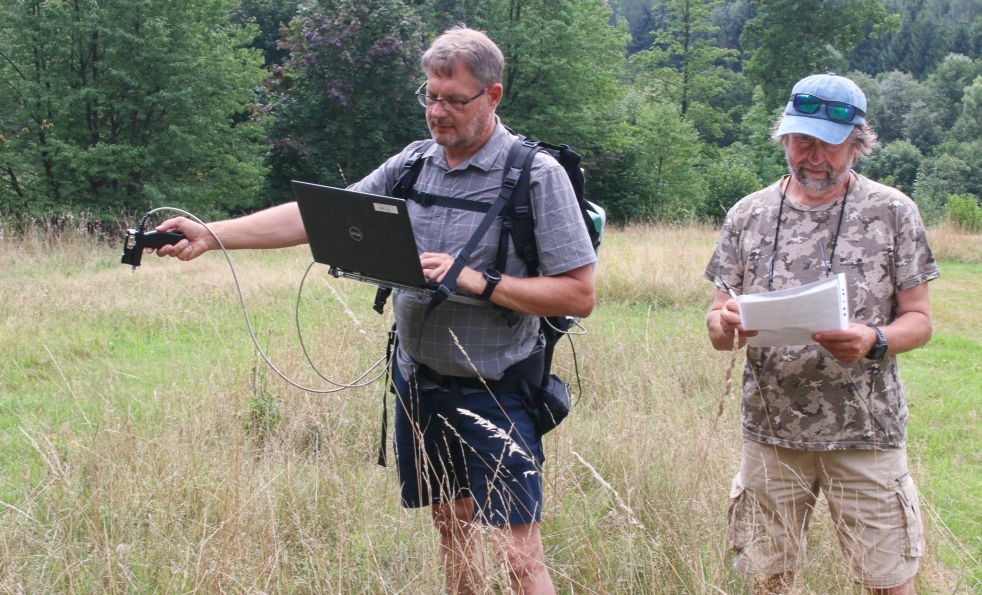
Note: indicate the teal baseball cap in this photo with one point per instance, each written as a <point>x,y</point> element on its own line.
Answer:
<point>825,106</point>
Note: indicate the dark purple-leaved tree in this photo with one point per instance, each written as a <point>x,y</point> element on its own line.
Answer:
<point>343,100</point>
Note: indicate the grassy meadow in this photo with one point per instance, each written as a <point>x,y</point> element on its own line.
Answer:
<point>145,447</point>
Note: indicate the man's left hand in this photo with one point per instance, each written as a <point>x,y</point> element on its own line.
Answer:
<point>849,345</point>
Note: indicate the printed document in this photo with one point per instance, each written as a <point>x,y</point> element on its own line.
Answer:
<point>791,316</point>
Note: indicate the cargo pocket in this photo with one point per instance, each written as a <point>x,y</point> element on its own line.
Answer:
<point>738,533</point>
<point>912,542</point>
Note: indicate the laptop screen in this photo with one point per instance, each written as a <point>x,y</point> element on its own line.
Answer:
<point>360,235</point>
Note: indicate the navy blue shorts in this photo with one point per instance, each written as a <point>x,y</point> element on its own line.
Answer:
<point>445,450</point>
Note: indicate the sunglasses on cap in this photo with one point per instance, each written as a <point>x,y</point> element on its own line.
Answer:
<point>837,111</point>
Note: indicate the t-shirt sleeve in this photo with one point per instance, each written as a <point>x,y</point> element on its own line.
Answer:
<point>913,259</point>
<point>726,263</point>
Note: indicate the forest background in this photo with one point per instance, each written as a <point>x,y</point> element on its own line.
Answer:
<point>110,108</point>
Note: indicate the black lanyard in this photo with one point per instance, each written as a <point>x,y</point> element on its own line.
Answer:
<point>821,245</point>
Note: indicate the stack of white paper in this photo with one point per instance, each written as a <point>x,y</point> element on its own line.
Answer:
<point>792,316</point>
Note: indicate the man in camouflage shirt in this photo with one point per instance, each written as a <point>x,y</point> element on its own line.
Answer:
<point>830,416</point>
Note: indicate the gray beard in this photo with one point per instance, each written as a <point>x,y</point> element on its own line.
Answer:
<point>830,180</point>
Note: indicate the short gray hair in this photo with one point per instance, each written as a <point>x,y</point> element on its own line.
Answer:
<point>862,137</point>
<point>468,46</point>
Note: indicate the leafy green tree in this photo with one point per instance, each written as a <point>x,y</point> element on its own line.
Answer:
<point>729,100</point>
<point>113,107</point>
<point>929,30</point>
<point>949,82</point>
<point>730,17</point>
<point>269,16</point>
<point>965,142</point>
<point>898,105</point>
<point>642,22</point>
<point>969,123</point>
<point>651,170</point>
<point>767,156</point>
<point>791,39</point>
<point>895,164</point>
<point>729,177</point>
<point>343,100</point>
<point>937,178</point>
<point>440,15</point>
<point>685,67</point>
<point>563,66</point>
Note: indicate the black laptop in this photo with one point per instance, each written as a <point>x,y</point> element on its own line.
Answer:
<point>367,237</point>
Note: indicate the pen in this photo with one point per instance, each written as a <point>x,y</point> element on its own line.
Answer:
<point>728,289</point>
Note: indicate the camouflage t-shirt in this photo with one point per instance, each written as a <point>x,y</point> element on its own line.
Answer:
<point>801,397</point>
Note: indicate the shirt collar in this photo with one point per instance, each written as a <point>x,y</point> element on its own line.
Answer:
<point>485,157</point>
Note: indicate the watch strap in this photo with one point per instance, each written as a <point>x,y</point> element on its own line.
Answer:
<point>879,348</point>
<point>492,278</point>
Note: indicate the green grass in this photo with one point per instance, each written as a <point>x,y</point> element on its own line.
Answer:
<point>944,383</point>
<point>145,448</point>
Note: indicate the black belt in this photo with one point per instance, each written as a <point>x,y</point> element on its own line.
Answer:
<point>518,378</point>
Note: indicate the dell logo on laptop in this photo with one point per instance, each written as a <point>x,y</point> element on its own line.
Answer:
<point>355,234</point>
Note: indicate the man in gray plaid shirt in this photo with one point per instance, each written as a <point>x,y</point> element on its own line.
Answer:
<point>470,453</point>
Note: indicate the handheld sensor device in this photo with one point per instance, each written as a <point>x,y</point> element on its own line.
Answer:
<point>137,239</point>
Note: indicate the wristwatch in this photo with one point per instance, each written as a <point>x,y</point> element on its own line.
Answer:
<point>492,277</point>
<point>880,347</point>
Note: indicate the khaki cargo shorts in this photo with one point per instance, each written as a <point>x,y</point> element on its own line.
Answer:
<point>871,497</point>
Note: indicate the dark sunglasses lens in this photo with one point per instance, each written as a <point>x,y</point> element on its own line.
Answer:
<point>840,112</point>
<point>807,104</point>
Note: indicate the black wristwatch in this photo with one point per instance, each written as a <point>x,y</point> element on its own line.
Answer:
<point>880,347</point>
<point>492,277</point>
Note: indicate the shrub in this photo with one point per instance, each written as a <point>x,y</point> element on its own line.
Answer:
<point>964,212</point>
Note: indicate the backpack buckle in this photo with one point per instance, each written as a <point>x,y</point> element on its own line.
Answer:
<point>416,156</point>
<point>522,210</point>
<point>424,199</point>
<point>511,178</point>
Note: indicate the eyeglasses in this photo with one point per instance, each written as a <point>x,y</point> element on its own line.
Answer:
<point>837,111</point>
<point>451,105</point>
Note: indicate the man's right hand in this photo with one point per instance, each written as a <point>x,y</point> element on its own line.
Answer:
<point>723,320</point>
<point>198,240</point>
<point>729,320</point>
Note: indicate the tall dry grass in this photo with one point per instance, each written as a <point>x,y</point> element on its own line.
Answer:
<point>954,244</point>
<point>159,455</point>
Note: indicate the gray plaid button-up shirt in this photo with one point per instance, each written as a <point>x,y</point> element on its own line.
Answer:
<point>485,344</point>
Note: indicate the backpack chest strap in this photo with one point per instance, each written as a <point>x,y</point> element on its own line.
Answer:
<point>426,199</point>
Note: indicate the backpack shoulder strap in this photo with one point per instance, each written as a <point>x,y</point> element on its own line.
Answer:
<point>519,223</point>
<point>410,170</point>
